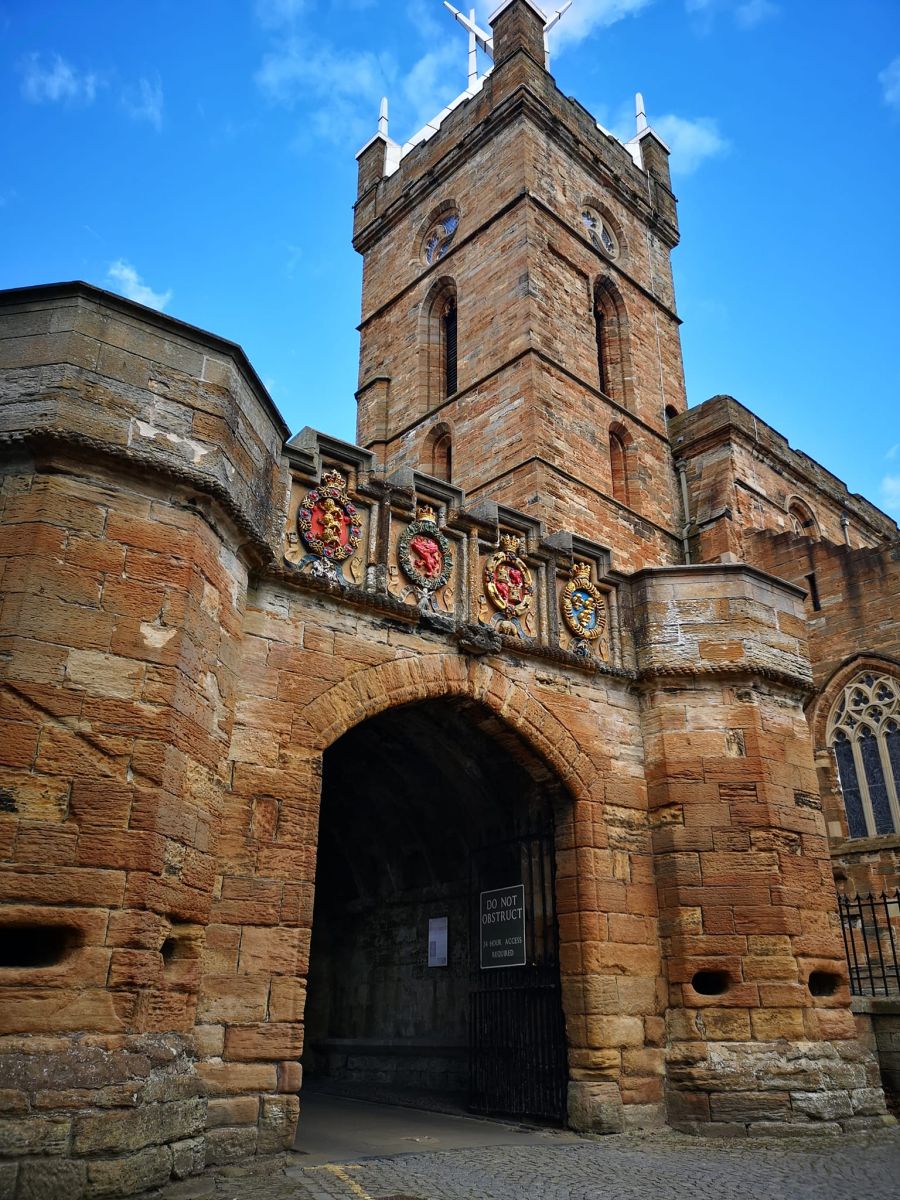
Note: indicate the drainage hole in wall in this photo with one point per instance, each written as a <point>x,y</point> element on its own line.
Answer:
<point>823,983</point>
<point>710,983</point>
<point>35,945</point>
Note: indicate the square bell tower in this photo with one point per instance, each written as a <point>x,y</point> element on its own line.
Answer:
<point>519,335</point>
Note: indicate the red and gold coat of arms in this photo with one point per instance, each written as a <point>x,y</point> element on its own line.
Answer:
<point>329,524</point>
<point>508,583</point>
<point>424,553</point>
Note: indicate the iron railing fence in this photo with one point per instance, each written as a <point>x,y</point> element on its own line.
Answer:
<point>871,929</point>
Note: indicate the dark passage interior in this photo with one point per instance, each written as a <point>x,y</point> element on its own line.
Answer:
<point>421,808</point>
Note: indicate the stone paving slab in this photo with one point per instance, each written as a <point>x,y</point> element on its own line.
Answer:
<point>659,1167</point>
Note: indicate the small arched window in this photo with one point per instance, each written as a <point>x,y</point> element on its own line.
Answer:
<point>802,519</point>
<point>618,464</point>
<point>864,734</point>
<point>442,458</point>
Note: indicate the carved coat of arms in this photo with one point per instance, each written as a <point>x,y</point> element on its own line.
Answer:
<point>328,523</point>
<point>583,608</point>
<point>509,587</point>
<point>425,556</point>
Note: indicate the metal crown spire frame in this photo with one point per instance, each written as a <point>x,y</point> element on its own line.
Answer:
<point>478,36</point>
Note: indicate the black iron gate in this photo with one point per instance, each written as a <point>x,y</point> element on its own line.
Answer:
<point>517,1040</point>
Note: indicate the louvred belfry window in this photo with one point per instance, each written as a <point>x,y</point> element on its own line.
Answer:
<point>601,346</point>
<point>448,321</point>
<point>864,734</point>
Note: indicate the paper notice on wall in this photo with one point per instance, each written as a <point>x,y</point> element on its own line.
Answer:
<point>437,942</point>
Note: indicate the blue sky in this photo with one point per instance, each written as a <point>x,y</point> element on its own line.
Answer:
<point>198,155</point>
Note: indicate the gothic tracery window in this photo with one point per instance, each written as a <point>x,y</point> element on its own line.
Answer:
<point>599,232</point>
<point>439,237</point>
<point>864,734</point>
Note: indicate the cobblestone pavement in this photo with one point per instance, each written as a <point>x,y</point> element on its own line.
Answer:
<point>664,1167</point>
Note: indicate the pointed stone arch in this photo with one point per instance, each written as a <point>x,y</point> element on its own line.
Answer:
<point>612,334</point>
<point>434,371</point>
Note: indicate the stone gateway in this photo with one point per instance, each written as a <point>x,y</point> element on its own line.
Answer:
<point>271,705</point>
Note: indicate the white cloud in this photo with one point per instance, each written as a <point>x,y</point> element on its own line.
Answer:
<point>339,91</point>
<point>56,82</point>
<point>587,15</point>
<point>275,13</point>
<point>297,70</point>
<point>889,79</point>
<point>754,12</point>
<point>427,86</point>
<point>890,495</point>
<point>125,279</point>
<point>691,142</point>
<point>894,451</point>
<point>434,23</point>
<point>747,14</point>
<point>145,102</point>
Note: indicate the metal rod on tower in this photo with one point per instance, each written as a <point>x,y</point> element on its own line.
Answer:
<point>639,112</point>
<point>383,117</point>
<point>473,53</point>
<point>484,40</point>
<point>553,21</point>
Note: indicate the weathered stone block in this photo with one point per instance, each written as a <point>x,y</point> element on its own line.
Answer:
<point>148,1125</point>
<point>229,1145</point>
<point>277,1123</point>
<point>49,1180</point>
<point>35,1135</point>
<point>188,1157</point>
<point>822,1106</point>
<point>130,1173</point>
<point>746,1107</point>
<point>594,1107</point>
<point>232,1110</point>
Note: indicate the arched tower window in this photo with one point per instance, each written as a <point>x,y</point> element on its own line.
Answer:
<point>802,519</point>
<point>611,341</point>
<point>448,344</point>
<point>602,337</point>
<point>618,462</point>
<point>864,734</point>
<point>438,353</point>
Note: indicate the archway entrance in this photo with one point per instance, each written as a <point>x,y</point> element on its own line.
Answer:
<point>434,971</point>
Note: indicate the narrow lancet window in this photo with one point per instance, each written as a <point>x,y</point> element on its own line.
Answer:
<point>442,458</point>
<point>618,463</point>
<point>448,322</point>
<point>600,333</point>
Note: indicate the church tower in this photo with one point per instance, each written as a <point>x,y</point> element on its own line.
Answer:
<point>519,335</point>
